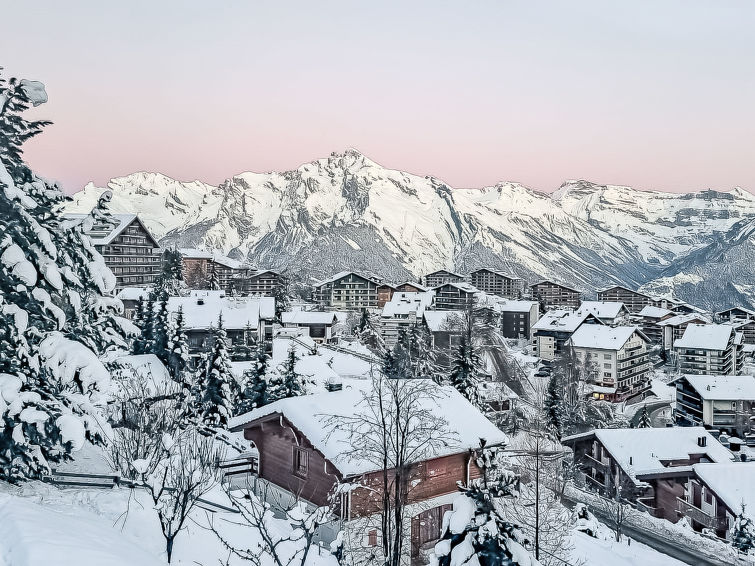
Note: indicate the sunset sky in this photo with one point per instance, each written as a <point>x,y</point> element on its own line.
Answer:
<point>657,94</point>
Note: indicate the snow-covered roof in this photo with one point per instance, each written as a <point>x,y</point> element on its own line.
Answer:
<point>461,285</point>
<point>414,284</point>
<point>309,414</point>
<point>723,387</point>
<point>612,287</point>
<point>445,271</point>
<point>603,309</point>
<point>238,312</point>
<point>102,233</point>
<point>515,306</point>
<point>680,319</point>
<point>438,321</point>
<point>654,312</point>
<point>648,448</point>
<point>308,317</point>
<point>217,257</point>
<point>342,274</point>
<point>747,312</point>
<point>705,337</point>
<point>497,272</point>
<point>549,282</point>
<point>603,337</point>
<point>562,320</point>
<point>406,303</point>
<point>733,483</point>
<point>132,293</point>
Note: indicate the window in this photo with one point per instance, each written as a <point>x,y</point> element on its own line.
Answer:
<point>606,356</point>
<point>372,538</point>
<point>301,462</point>
<point>707,496</point>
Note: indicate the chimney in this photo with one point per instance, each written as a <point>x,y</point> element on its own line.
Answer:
<point>702,441</point>
<point>200,301</point>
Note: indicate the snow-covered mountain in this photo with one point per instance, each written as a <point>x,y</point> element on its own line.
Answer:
<point>346,211</point>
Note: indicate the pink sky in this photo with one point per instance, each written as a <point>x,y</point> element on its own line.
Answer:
<point>653,95</point>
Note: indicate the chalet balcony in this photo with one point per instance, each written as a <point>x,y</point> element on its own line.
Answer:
<point>601,463</point>
<point>698,515</point>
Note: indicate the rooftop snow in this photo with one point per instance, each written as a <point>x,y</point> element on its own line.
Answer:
<point>680,319</point>
<point>238,312</point>
<point>103,234</point>
<point>461,285</point>
<point>654,312</point>
<point>705,337</point>
<point>723,387</point>
<point>406,303</point>
<point>217,257</point>
<point>561,319</point>
<point>309,413</point>
<point>342,274</point>
<point>308,317</point>
<point>649,448</point>
<point>549,282</point>
<point>733,483</point>
<point>515,306</point>
<point>603,337</point>
<point>438,321</point>
<point>132,294</point>
<point>603,309</point>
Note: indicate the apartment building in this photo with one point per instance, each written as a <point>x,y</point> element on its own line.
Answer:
<point>710,349</point>
<point>440,277</point>
<point>615,360</point>
<point>497,283</point>
<point>347,290</point>
<point>724,402</point>
<point>555,296</point>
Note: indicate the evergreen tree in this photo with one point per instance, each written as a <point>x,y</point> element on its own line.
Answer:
<point>144,343</point>
<point>476,526</point>
<point>254,392</point>
<point>178,360</point>
<point>160,344</point>
<point>553,403</point>
<point>644,421</point>
<point>170,280</point>
<point>213,282</point>
<point>52,385</point>
<point>138,346</point>
<point>286,382</point>
<point>424,357</point>
<point>218,389</point>
<point>465,371</point>
<point>368,333</point>
<point>282,297</point>
<point>743,534</point>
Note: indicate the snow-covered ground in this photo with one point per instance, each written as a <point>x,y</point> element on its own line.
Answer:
<point>42,525</point>
<point>591,551</point>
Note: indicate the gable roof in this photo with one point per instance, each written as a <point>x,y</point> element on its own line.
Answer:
<point>603,337</point>
<point>461,285</point>
<point>603,309</point>
<point>722,387</point>
<point>746,312</point>
<point>342,274</point>
<point>445,271</point>
<point>733,483</point>
<point>680,319</point>
<point>654,312</point>
<point>405,303</point>
<point>217,257</point>
<point>705,337</point>
<point>613,287</point>
<point>103,233</point>
<point>440,321</point>
<point>549,282</point>
<point>515,306</point>
<point>310,413</point>
<point>563,320</point>
<point>238,312</point>
<point>308,317</point>
<point>641,451</point>
<point>496,272</point>
<point>413,284</point>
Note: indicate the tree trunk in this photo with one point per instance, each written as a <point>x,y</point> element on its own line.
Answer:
<point>169,547</point>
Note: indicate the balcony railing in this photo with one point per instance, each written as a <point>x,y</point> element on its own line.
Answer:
<point>700,516</point>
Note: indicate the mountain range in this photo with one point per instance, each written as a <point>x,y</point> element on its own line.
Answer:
<point>347,212</point>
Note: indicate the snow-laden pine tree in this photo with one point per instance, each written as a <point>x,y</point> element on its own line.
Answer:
<point>52,385</point>
<point>743,534</point>
<point>475,527</point>
<point>145,322</point>
<point>213,281</point>
<point>170,280</point>
<point>286,382</point>
<point>179,360</point>
<point>161,331</point>
<point>644,421</point>
<point>424,356</point>
<point>254,389</point>
<point>218,389</point>
<point>465,372</point>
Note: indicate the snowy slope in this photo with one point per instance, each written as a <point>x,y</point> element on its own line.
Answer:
<point>347,211</point>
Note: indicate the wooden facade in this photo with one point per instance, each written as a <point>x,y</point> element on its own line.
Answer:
<point>347,291</point>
